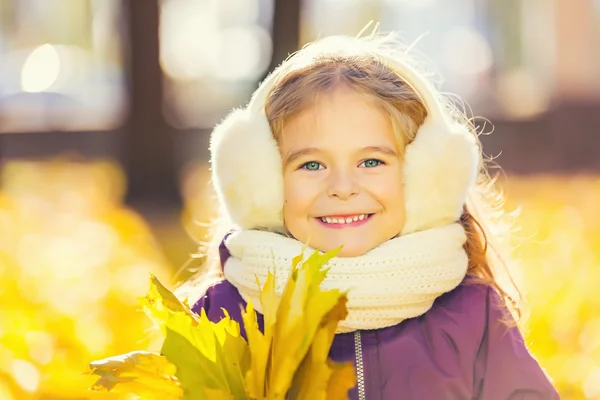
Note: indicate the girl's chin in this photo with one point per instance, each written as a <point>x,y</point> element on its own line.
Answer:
<point>352,253</point>
<point>347,250</point>
<point>353,244</point>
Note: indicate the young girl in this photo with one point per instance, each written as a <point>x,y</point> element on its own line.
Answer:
<point>347,144</point>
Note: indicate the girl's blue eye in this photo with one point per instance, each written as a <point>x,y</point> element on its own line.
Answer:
<point>311,166</point>
<point>371,163</point>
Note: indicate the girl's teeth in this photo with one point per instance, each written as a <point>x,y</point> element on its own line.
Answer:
<point>344,220</point>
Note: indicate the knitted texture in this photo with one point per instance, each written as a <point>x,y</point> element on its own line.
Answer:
<point>397,280</point>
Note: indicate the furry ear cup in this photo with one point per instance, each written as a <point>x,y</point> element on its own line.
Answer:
<point>247,172</point>
<point>440,167</point>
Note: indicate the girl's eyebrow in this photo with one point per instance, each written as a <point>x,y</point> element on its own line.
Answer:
<point>291,156</point>
<point>381,149</point>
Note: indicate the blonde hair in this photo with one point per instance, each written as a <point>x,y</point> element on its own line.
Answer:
<point>319,69</point>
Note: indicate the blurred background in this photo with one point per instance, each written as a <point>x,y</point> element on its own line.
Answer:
<point>106,107</point>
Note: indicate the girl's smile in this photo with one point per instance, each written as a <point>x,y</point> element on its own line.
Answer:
<point>345,221</point>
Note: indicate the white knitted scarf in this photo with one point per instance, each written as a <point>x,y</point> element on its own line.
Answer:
<point>399,279</point>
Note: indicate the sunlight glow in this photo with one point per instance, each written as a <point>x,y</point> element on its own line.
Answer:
<point>26,375</point>
<point>41,69</point>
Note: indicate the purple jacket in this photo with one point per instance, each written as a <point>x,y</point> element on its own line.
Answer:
<point>459,349</point>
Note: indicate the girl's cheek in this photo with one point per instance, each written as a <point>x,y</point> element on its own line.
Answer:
<point>300,183</point>
<point>295,194</point>
<point>298,196</point>
<point>382,178</point>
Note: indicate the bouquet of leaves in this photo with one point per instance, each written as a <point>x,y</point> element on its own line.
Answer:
<point>200,359</point>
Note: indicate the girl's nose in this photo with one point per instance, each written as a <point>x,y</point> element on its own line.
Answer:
<point>342,184</point>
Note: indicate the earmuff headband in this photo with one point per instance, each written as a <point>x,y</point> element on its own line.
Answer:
<point>440,165</point>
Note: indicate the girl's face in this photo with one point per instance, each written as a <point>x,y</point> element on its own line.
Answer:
<point>342,175</point>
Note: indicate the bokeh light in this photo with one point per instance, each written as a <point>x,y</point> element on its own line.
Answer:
<point>73,261</point>
<point>41,69</point>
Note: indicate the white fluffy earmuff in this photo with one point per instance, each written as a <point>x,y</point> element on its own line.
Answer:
<point>440,167</point>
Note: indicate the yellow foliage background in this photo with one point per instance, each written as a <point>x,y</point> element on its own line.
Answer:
<point>74,260</point>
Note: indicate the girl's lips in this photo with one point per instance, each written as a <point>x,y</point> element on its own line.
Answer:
<point>351,224</point>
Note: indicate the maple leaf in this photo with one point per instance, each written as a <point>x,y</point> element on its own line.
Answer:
<point>145,374</point>
<point>207,355</point>
<point>160,304</point>
<point>318,377</point>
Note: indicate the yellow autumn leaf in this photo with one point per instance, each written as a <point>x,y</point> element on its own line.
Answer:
<point>270,304</point>
<point>207,354</point>
<point>343,378</point>
<point>302,309</point>
<point>317,377</point>
<point>144,374</point>
<point>160,303</point>
<point>219,394</point>
<point>259,347</point>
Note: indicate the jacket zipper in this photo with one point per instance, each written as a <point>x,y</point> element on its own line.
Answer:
<point>360,374</point>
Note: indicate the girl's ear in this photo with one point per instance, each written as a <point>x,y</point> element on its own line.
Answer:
<point>246,171</point>
<point>441,166</point>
